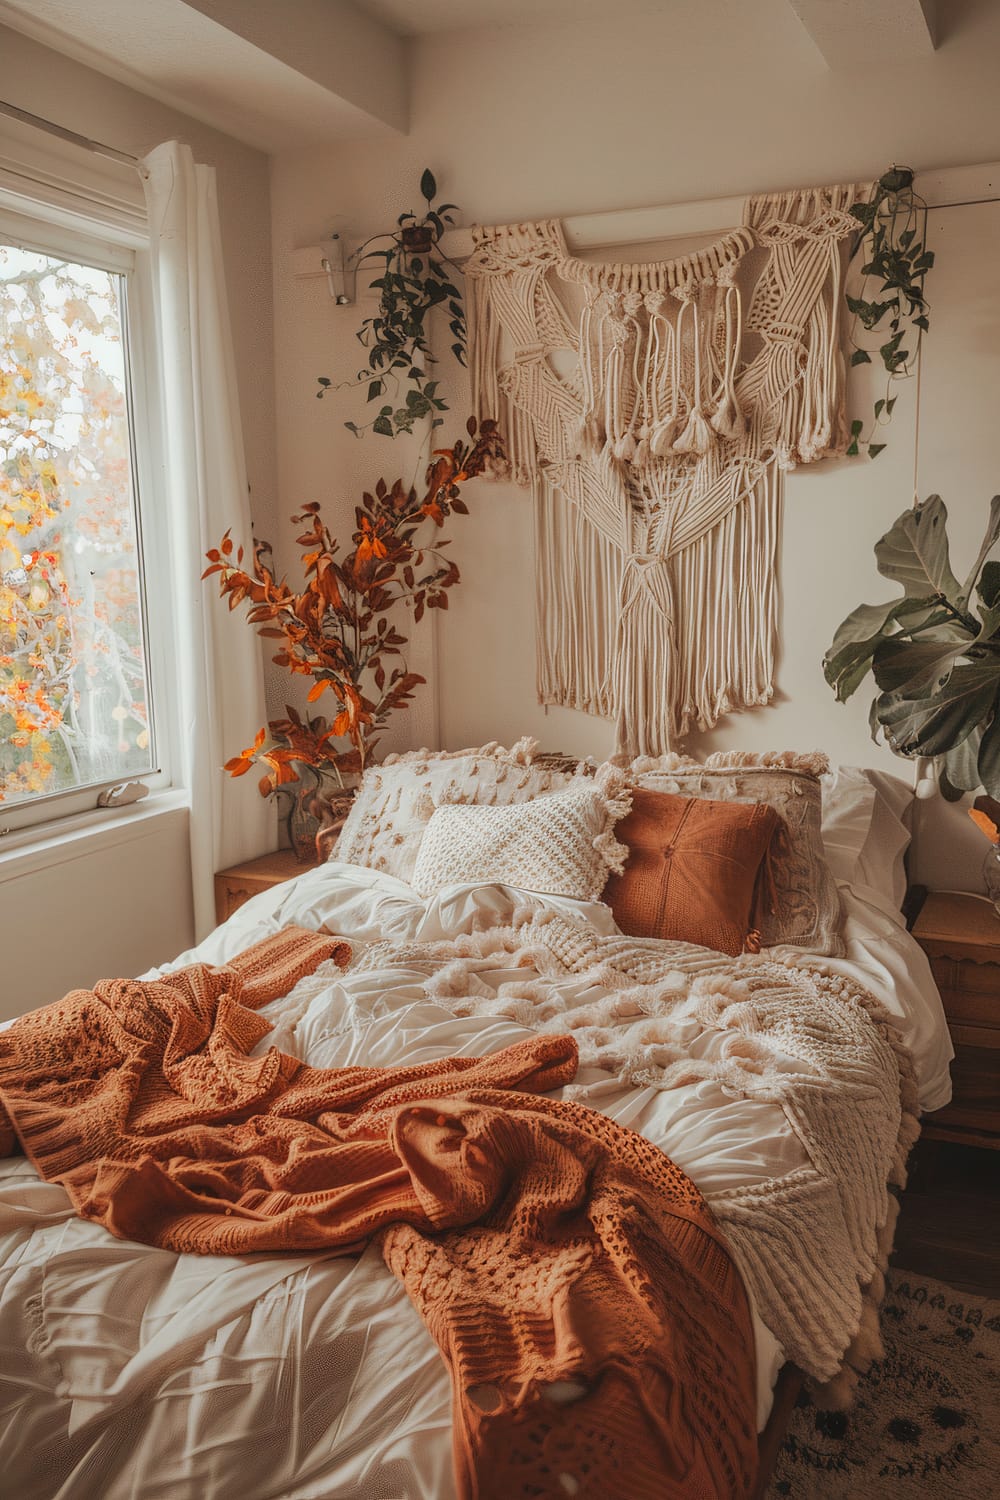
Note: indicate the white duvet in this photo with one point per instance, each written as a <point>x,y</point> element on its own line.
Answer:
<point>127,1371</point>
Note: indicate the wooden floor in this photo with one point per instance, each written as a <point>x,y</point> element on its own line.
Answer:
<point>949,1223</point>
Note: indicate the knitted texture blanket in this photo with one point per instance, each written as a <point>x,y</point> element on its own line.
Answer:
<point>595,1327</point>
<point>811,1245</point>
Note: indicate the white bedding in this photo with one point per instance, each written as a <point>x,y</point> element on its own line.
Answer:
<point>311,1377</point>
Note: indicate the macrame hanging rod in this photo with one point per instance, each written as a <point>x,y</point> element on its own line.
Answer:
<point>953,187</point>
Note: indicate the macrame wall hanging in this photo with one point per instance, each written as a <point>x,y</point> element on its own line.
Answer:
<point>656,459</point>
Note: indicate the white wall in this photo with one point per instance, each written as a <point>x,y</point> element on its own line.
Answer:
<point>123,910</point>
<point>702,101</point>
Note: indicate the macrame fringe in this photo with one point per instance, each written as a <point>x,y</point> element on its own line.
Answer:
<point>670,441</point>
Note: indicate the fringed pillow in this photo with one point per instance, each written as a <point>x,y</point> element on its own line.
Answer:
<point>561,845</point>
<point>805,911</point>
<point>397,798</point>
<point>697,871</point>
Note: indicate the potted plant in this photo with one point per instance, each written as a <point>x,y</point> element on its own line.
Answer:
<point>338,629</point>
<point>892,244</point>
<point>934,653</point>
<point>414,279</point>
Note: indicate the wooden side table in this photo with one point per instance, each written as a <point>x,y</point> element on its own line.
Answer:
<point>961,936</point>
<point>240,882</point>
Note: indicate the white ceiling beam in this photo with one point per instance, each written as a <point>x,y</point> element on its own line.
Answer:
<point>854,33</point>
<point>348,52</point>
<point>332,73</point>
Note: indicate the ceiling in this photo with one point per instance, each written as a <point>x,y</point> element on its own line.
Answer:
<point>281,74</point>
<point>407,18</point>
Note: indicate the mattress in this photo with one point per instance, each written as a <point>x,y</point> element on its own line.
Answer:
<point>132,1372</point>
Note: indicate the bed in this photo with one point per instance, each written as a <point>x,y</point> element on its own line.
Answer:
<point>130,1371</point>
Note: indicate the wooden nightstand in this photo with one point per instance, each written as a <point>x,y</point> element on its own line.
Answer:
<point>961,936</point>
<point>238,884</point>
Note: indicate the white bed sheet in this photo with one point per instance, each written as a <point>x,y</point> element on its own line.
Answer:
<point>307,1377</point>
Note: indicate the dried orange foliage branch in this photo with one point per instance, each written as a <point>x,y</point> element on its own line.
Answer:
<point>338,630</point>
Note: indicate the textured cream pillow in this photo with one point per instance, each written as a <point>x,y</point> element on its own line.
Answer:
<point>397,798</point>
<point>807,910</point>
<point>562,845</point>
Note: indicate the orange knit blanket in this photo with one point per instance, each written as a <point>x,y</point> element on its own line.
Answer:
<point>596,1330</point>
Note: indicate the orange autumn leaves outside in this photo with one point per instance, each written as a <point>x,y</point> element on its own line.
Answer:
<point>72,677</point>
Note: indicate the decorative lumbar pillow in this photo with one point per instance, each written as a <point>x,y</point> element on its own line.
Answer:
<point>561,845</point>
<point>806,907</point>
<point>697,870</point>
<point>397,798</point>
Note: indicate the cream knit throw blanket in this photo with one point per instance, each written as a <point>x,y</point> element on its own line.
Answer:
<point>812,1245</point>
<point>652,408</point>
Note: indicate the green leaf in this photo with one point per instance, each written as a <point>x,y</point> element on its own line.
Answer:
<point>861,357</point>
<point>949,792</point>
<point>915,669</point>
<point>428,186</point>
<point>988,587</point>
<point>856,426</point>
<point>874,449</point>
<point>374,390</point>
<point>890,404</point>
<point>849,658</point>
<point>921,322</point>
<point>932,726</point>
<point>988,543</point>
<point>961,766</point>
<point>879,405</point>
<point>383,426</point>
<point>914,551</point>
<point>853,450</point>
<point>988,763</point>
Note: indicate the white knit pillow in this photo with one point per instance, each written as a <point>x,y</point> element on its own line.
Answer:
<point>561,845</point>
<point>397,798</point>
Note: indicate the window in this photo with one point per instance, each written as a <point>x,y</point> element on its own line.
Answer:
<point>76,686</point>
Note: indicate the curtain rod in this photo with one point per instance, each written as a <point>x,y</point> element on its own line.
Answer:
<point>51,128</point>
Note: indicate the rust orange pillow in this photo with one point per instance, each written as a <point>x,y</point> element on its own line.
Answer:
<point>696,869</point>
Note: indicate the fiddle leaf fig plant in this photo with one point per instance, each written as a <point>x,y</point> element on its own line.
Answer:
<point>890,303</point>
<point>414,277</point>
<point>934,653</point>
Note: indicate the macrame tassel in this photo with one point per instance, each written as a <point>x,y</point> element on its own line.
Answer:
<point>624,449</point>
<point>728,419</point>
<point>697,436</point>
<point>662,442</point>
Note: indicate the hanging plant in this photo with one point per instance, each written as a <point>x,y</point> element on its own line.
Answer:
<point>415,277</point>
<point>934,653</point>
<point>893,242</point>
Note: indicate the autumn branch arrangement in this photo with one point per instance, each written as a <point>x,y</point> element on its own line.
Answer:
<point>341,629</point>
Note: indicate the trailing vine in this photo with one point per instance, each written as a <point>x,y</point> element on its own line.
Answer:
<point>893,238</point>
<point>415,278</point>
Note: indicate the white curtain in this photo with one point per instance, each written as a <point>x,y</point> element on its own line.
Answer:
<point>220,703</point>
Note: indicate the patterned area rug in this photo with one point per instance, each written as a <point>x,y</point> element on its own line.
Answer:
<point>927,1418</point>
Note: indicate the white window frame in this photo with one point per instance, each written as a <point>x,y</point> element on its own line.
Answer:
<point>122,249</point>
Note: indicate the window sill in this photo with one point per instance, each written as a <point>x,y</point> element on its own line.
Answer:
<point>85,833</point>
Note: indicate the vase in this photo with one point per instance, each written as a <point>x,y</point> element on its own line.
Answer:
<point>333,809</point>
<point>991,875</point>
<point>301,826</point>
